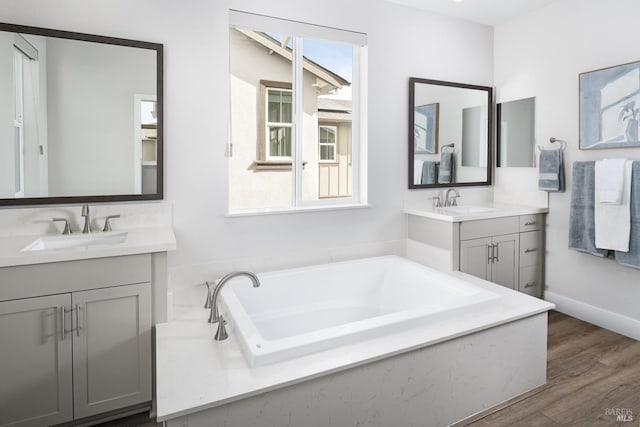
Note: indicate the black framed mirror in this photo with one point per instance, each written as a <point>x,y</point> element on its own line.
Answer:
<point>449,134</point>
<point>515,135</point>
<point>81,117</point>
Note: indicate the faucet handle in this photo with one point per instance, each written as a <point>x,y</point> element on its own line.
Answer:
<point>107,222</point>
<point>67,229</point>
<point>207,303</point>
<point>221,333</point>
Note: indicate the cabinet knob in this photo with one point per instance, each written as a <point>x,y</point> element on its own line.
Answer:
<point>530,250</point>
<point>530,285</point>
<point>530,223</point>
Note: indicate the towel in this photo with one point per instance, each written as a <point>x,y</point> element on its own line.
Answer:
<point>417,172</point>
<point>446,175</point>
<point>613,222</point>
<point>632,257</point>
<point>429,172</point>
<point>551,171</point>
<point>581,219</point>
<point>610,178</point>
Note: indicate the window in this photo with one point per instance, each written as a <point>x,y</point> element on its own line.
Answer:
<point>327,142</point>
<point>279,123</point>
<point>298,115</point>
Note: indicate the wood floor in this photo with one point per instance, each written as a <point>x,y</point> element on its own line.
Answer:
<point>591,372</point>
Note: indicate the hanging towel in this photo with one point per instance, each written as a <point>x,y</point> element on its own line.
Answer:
<point>632,258</point>
<point>429,172</point>
<point>581,219</point>
<point>417,172</point>
<point>613,222</point>
<point>446,174</point>
<point>610,178</point>
<point>551,171</point>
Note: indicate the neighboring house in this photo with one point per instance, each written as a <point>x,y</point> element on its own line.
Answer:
<point>262,134</point>
<point>334,131</point>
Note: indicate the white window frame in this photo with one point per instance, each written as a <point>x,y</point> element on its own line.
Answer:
<point>334,144</point>
<point>18,120</point>
<point>298,31</point>
<point>268,125</point>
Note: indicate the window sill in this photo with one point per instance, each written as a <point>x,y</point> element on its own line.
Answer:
<point>280,211</point>
<point>273,165</point>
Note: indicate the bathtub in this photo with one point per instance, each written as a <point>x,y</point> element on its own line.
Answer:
<point>306,310</point>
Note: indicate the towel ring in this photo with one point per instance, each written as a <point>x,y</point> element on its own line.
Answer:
<point>563,144</point>
<point>449,148</point>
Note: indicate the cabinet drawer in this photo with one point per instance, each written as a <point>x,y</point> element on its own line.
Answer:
<point>488,227</point>
<point>530,281</point>
<point>530,222</point>
<point>530,248</point>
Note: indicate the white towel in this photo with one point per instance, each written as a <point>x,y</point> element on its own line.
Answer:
<point>610,175</point>
<point>613,222</point>
<point>417,172</point>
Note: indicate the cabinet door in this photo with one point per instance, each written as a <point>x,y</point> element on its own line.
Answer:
<point>475,257</point>
<point>35,362</point>
<point>505,266</point>
<point>111,348</point>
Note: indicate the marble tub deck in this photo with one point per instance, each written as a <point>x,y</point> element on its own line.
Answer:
<point>194,373</point>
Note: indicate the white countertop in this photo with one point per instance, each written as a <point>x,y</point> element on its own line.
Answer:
<point>488,210</point>
<point>139,240</point>
<point>194,372</point>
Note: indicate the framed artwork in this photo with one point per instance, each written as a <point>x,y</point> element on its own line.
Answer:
<point>610,107</point>
<point>425,128</point>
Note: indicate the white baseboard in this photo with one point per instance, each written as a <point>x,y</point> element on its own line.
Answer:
<point>598,316</point>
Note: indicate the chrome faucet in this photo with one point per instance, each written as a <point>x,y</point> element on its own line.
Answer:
<point>437,200</point>
<point>221,333</point>
<point>451,201</point>
<point>87,219</point>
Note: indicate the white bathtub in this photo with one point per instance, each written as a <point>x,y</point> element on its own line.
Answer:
<point>305,310</point>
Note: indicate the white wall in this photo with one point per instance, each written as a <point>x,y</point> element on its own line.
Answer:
<point>541,54</point>
<point>402,43</point>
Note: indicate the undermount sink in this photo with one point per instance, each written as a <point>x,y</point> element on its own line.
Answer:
<point>465,210</point>
<point>76,241</point>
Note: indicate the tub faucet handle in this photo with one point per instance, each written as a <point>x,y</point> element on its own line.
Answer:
<point>207,303</point>
<point>221,333</point>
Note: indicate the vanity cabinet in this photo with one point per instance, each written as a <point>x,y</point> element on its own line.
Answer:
<point>491,258</point>
<point>82,351</point>
<point>506,250</point>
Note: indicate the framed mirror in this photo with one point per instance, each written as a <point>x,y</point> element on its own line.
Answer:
<point>515,138</point>
<point>80,118</point>
<point>449,134</point>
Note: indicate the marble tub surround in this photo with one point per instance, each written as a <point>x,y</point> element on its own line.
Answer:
<point>478,210</point>
<point>148,226</point>
<point>195,373</point>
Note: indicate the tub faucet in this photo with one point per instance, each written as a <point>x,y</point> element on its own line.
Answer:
<point>215,316</point>
<point>451,201</point>
<point>87,219</point>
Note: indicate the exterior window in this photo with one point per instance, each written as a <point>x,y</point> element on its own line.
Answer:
<point>279,123</point>
<point>297,115</point>
<point>328,141</point>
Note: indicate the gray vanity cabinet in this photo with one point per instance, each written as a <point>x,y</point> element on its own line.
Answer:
<point>507,250</point>
<point>35,362</point>
<point>82,351</point>
<point>111,348</point>
<point>491,258</point>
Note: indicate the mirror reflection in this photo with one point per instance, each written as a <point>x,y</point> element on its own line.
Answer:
<point>516,133</point>
<point>77,118</point>
<point>449,134</point>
